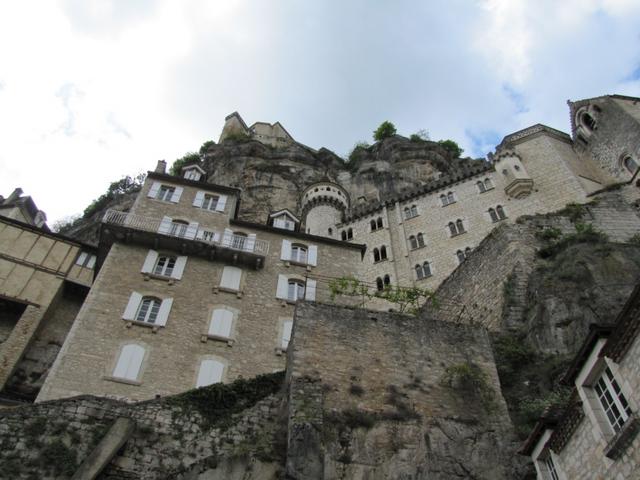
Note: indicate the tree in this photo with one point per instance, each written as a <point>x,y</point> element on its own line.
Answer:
<point>420,136</point>
<point>206,146</point>
<point>385,130</point>
<point>452,147</point>
<point>187,158</point>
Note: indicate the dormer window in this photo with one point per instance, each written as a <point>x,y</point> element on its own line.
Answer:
<point>283,221</point>
<point>193,172</point>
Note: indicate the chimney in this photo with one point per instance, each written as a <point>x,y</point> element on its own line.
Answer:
<point>15,195</point>
<point>161,167</point>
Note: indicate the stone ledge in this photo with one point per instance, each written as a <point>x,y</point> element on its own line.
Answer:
<point>621,440</point>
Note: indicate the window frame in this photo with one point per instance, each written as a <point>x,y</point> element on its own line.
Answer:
<point>210,202</point>
<point>165,270</point>
<point>151,302</point>
<point>165,193</point>
<point>299,290</point>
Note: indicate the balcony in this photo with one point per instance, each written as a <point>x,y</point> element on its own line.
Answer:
<point>188,238</point>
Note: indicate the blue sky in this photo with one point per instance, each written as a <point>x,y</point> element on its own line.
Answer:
<point>91,90</point>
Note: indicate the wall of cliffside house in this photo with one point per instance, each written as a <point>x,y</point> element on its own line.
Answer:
<point>383,395</point>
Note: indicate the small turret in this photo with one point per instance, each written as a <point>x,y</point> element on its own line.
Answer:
<point>518,183</point>
<point>323,205</point>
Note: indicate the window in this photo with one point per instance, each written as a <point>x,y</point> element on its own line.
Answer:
<point>210,372</point>
<point>221,323</point>
<point>231,278</point>
<point>551,468</point>
<point>349,234</point>
<point>164,265</point>
<point>413,242</point>
<point>443,200</point>
<point>450,198</point>
<point>379,284</point>
<point>456,228</point>
<point>165,193</point>
<point>493,215</point>
<point>295,290</point>
<point>500,212</point>
<point>588,121</point>
<point>376,255</point>
<point>298,253</point>
<point>343,235</point>
<point>148,310</point>
<point>178,228</point>
<point>210,202</point>
<point>379,223</point>
<point>481,186</point>
<point>238,240</point>
<point>410,212</point>
<point>330,231</point>
<point>447,199</point>
<point>488,185</point>
<point>612,400</point>
<point>420,239</point>
<point>460,255</point>
<point>209,236</point>
<point>285,338</point>
<point>373,225</point>
<point>383,253</point>
<point>283,221</point>
<point>129,362</point>
<point>423,271</point>
<point>86,260</point>
<point>387,280</point>
<point>630,164</point>
<point>192,174</point>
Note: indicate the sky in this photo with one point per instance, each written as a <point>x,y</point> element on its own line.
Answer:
<point>93,90</point>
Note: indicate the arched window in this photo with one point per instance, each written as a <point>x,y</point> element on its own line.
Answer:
<point>376,255</point>
<point>210,372</point>
<point>460,226</point>
<point>488,184</point>
<point>387,280</point>
<point>426,269</point>
<point>164,265</point>
<point>407,212</point>
<point>330,231</point>
<point>630,164</point>
<point>414,211</point>
<point>481,186</point>
<point>178,228</point>
<point>413,243</point>
<point>349,234</point>
<point>420,239</point>
<point>500,212</point>
<point>373,225</point>
<point>148,310</point>
<point>299,253</point>
<point>450,198</point>
<point>460,255</point>
<point>419,273</point>
<point>379,222</point>
<point>443,200</point>
<point>129,362</point>
<point>379,284</point>
<point>452,229</point>
<point>492,214</point>
<point>383,253</point>
<point>588,121</point>
<point>295,290</point>
<point>467,251</point>
<point>343,234</point>
<point>221,322</point>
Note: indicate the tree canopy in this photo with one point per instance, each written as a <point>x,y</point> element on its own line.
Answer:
<point>385,130</point>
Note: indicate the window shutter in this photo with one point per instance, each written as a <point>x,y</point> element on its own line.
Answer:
<point>191,231</point>
<point>165,225</point>
<point>199,200</point>
<point>177,193</point>
<point>285,254</point>
<point>153,191</point>
<point>132,306</point>
<point>163,313</point>
<point>129,362</point>
<point>210,372</point>
<point>312,255</point>
<point>250,244</point>
<point>231,278</point>
<point>283,286</point>
<point>222,201</point>
<point>227,238</point>
<point>221,322</point>
<point>286,333</point>
<point>150,262</point>
<point>200,234</point>
<point>178,268</point>
<point>279,223</point>
<point>310,290</point>
<point>92,261</point>
<point>216,237</point>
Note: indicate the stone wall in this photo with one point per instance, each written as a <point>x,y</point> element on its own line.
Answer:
<point>218,432</point>
<point>375,395</point>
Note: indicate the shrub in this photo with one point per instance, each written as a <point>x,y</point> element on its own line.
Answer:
<point>419,136</point>
<point>471,379</point>
<point>206,146</point>
<point>585,233</point>
<point>186,159</point>
<point>357,151</point>
<point>635,239</point>
<point>121,187</point>
<point>550,233</point>
<point>385,130</point>
<point>452,147</point>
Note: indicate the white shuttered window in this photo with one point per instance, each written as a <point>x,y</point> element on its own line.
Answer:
<point>221,323</point>
<point>210,372</point>
<point>129,362</point>
<point>231,278</point>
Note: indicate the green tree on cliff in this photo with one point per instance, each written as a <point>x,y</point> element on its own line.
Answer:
<point>385,130</point>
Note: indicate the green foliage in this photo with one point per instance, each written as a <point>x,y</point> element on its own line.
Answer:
<point>67,223</point>
<point>356,152</point>
<point>511,352</point>
<point>420,136</point>
<point>452,147</point>
<point>550,233</point>
<point>635,239</point>
<point>385,130</point>
<point>187,159</point>
<point>351,418</point>
<point>585,233</point>
<point>575,211</point>
<point>218,402</point>
<point>469,378</point>
<point>407,299</point>
<point>206,146</point>
<point>531,409</point>
<point>237,137</point>
<point>116,189</point>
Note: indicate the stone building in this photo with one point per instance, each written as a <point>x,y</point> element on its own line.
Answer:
<point>595,436</point>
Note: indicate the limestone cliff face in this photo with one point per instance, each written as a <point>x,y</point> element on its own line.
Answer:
<point>272,179</point>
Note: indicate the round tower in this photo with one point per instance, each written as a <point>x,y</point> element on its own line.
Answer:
<point>323,205</point>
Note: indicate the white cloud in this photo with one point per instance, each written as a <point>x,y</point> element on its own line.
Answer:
<point>91,90</point>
